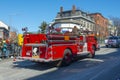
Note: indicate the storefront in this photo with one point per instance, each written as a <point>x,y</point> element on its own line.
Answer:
<point>4,31</point>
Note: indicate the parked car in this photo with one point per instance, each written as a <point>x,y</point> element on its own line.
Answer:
<point>113,41</point>
<point>106,41</point>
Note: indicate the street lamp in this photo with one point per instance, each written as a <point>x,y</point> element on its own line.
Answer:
<point>25,30</point>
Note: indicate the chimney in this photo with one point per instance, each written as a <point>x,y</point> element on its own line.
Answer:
<point>73,9</point>
<point>61,11</point>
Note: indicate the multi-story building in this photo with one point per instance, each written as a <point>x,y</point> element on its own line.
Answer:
<point>111,28</point>
<point>4,31</point>
<point>76,15</point>
<point>101,25</point>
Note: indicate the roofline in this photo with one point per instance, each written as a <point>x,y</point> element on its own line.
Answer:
<point>99,14</point>
<point>71,11</point>
<point>7,27</point>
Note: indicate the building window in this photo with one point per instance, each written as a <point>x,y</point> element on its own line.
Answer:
<point>66,14</point>
<point>84,15</point>
<point>88,25</point>
<point>77,13</point>
<point>82,23</point>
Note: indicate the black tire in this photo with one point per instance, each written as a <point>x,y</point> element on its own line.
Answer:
<point>106,46</point>
<point>118,46</point>
<point>92,54</point>
<point>67,59</point>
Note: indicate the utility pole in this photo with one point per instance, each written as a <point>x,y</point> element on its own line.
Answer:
<point>14,30</point>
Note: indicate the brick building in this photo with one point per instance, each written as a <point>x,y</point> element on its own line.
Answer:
<point>13,37</point>
<point>101,24</point>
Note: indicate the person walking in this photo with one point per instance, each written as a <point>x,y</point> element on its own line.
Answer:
<point>0,50</point>
<point>4,48</point>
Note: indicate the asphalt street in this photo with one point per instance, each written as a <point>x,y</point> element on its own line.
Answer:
<point>105,66</point>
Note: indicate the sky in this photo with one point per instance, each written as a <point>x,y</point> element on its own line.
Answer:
<point>31,13</point>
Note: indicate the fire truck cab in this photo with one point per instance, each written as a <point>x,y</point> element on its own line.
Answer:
<point>57,46</point>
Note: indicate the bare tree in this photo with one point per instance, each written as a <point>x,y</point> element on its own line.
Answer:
<point>116,23</point>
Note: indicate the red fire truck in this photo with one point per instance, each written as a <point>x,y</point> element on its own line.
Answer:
<point>56,46</point>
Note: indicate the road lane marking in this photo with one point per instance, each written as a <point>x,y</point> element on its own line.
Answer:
<point>88,59</point>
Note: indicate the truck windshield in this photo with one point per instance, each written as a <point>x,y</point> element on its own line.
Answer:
<point>61,28</point>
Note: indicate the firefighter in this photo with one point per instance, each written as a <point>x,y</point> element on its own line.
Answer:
<point>75,31</point>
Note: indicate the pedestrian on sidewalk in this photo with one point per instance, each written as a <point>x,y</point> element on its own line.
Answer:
<point>0,50</point>
<point>4,49</point>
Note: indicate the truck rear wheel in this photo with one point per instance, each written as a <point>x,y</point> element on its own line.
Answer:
<point>67,59</point>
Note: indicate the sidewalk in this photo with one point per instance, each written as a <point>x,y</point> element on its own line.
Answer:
<point>102,45</point>
<point>0,59</point>
<point>5,59</point>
